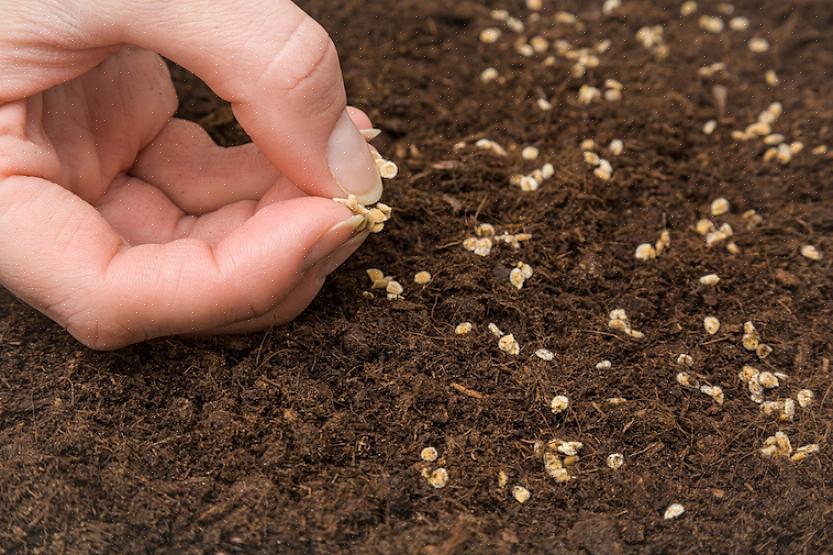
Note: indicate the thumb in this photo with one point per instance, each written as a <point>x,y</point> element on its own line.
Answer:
<point>280,70</point>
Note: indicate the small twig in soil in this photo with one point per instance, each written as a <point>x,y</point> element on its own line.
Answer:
<point>467,391</point>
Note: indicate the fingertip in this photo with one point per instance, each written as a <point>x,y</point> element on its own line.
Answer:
<point>359,117</point>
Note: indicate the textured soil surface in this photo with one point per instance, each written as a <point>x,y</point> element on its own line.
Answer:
<point>307,438</point>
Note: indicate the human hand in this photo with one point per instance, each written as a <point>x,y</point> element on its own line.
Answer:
<point>122,223</point>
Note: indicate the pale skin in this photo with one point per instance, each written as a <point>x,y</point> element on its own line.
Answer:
<point>122,223</point>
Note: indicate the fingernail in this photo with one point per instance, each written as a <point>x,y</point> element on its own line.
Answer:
<point>340,255</point>
<point>337,236</point>
<point>351,163</point>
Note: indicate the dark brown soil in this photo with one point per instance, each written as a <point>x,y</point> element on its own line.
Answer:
<point>306,439</point>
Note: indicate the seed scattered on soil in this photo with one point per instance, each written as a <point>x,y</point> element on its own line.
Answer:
<point>688,8</point>
<point>604,365</point>
<point>559,404</point>
<point>521,494</point>
<point>619,321</point>
<point>508,345</point>
<point>711,325</point>
<point>711,24</point>
<point>719,207</point>
<point>394,290</point>
<point>438,478</point>
<point>709,127</point>
<point>771,78</point>
<point>530,153</point>
<point>615,461</point>
<point>494,330</point>
<point>519,274</point>
<point>616,401</point>
<point>685,360</point>
<point>768,380</point>
<point>616,147</point>
<point>713,391</point>
<point>489,74</point>
<point>463,328</point>
<point>739,24</point>
<point>491,146</point>
<point>422,278</point>
<point>429,454</point>
<point>710,279</point>
<point>804,398</point>
<point>645,251</point>
<point>673,511</point>
<point>810,252</point>
<point>777,446</point>
<point>763,350</point>
<point>802,452</point>
<point>758,45</point>
<point>490,35</point>
<point>502,479</point>
<point>545,354</point>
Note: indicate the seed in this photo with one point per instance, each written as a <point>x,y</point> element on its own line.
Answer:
<point>774,139</point>
<point>570,448</point>
<point>739,24</point>
<point>529,153</point>
<point>618,314</point>
<point>796,147</point>
<point>673,511</point>
<point>545,354</point>
<point>604,171</point>
<point>483,247</point>
<point>802,452</point>
<point>688,8</point>
<point>645,251</point>
<point>788,412</point>
<point>489,74</point>
<point>616,147</point>
<point>613,95</point>
<point>709,127</point>
<point>394,290</point>
<point>375,274</point>
<point>521,494</point>
<point>811,252</point>
<point>604,365</point>
<point>710,279</point>
<point>438,478</point>
<point>591,158</point>
<point>710,23</point>
<point>539,44</point>
<point>820,150</point>
<point>758,45</point>
<point>588,144</point>
<point>544,105</point>
<point>494,330</point>
<point>610,5</point>
<point>771,407</point>
<point>547,170</point>
<point>777,445</point>
<point>685,380</point>
<point>421,278</point>
<point>490,35</point>
<point>508,345</point>
<point>720,206</point>
<point>771,78</point>
<point>487,144</point>
<point>749,373</point>
<point>804,398</point>
<point>732,248</point>
<point>515,24</point>
<point>502,479</point>
<point>559,404</point>
<point>463,328</point>
<point>615,461</point>
<point>428,454</point>
<point>500,15</point>
<point>534,5</point>
<point>711,325</point>
<point>704,227</point>
<point>615,401</point>
<point>750,341</point>
<point>614,84</point>
<point>763,350</point>
<point>767,380</point>
<point>566,17</point>
<point>685,360</point>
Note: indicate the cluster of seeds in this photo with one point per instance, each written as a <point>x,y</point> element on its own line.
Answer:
<point>713,391</point>
<point>602,167</point>
<point>619,321</point>
<point>519,274</point>
<point>437,477</point>
<point>532,181</point>
<point>779,446</point>
<point>557,456</point>
<point>716,235</point>
<point>485,238</point>
<point>752,341</point>
<point>374,217</point>
<point>490,146</point>
<point>653,39</point>
<point>378,280</point>
<point>647,251</point>
<point>506,341</point>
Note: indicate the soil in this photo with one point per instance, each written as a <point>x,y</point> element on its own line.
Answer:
<point>306,438</point>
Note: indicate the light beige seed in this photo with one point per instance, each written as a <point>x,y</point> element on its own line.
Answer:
<point>489,74</point>
<point>421,278</point>
<point>428,454</point>
<point>529,153</point>
<point>685,360</point>
<point>388,169</point>
<point>688,8</point>
<point>804,398</point>
<point>771,78</point>
<point>709,127</point>
<point>502,479</point>
<point>515,24</point>
<point>820,150</point>
<point>375,274</point>
<point>547,171</point>
<point>394,290</point>
<point>539,44</point>
<point>438,478</point>
<point>710,279</point>
<point>604,365</point>
<point>773,139</point>
<point>516,278</point>
<point>494,330</point>
<point>613,95</point>
<point>559,404</point>
<point>588,94</point>
<point>711,325</point>
<point>521,494</point>
<point>490,35</point>
<point>509,345</point>
<point>788,412</point>
<point>591,158</point>
<point>616,147</point>
<point>810,252</point>
<point>739,24</point>
<point>673,511</point>
<point>713,391</point>
<point>685,380</point>
<point>588,144</point>
<point>544,105</point>
<point>615,461</point>
<point>719,207</point>
<point>704,227</point>
<point>570,448</point>
<point>711,24</point>
<point>645,251</point>
<point>463,328</point>
<point>796,147</point>
<point>545,354</point>
<point>763,350</point>
<point>732,247</point>
<point>768,380</point>
<point>758,45</point>
<point>616,401</point>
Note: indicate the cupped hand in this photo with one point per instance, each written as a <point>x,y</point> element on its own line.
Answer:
<point>122,223</point>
